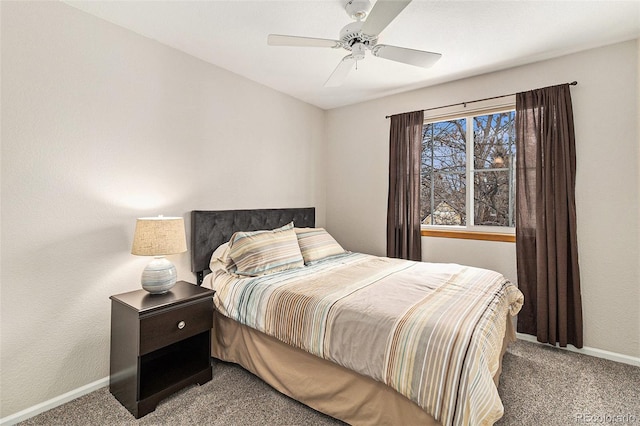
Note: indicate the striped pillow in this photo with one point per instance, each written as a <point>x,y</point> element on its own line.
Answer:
<point>316,244</point>
<point>263,252</point>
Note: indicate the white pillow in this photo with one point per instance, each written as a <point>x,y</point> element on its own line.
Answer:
<point>220,259</point>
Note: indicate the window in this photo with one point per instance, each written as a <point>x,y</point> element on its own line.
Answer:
<point>468,171</point>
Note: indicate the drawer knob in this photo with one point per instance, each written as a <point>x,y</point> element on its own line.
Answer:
<point>181,325</point>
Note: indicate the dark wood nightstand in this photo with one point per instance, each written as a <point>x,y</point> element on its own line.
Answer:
<point>160,343</point>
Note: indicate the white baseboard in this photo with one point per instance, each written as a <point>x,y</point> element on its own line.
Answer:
<point>598,353</point>
<point>53,402</point>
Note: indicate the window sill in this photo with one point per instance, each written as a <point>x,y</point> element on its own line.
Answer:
<point>469,235</point>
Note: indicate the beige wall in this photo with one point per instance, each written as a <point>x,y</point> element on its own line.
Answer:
<point>606,119</point>
<point>100,126</point>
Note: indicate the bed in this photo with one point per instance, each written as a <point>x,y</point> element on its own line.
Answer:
<point>321,351</point>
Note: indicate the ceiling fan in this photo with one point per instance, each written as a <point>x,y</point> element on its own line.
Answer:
<point>360,36</point>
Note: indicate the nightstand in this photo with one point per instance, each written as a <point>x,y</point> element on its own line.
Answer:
<point>160,343</point>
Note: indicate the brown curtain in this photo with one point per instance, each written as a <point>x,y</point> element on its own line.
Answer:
<point>546,241</point>
<point>403,209</point>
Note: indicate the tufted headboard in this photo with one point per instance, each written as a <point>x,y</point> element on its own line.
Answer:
<point>209,229</point>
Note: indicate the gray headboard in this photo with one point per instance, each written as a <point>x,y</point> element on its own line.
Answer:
<point>209,229</point>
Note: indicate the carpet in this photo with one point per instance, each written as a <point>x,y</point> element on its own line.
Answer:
<point>540,385</point>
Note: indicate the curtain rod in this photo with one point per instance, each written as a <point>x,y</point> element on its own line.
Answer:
<point>573,83</point>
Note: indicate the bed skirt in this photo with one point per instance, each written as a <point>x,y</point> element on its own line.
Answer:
<point>318,383</point>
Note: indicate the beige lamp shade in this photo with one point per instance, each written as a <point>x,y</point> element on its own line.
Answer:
<point>159,236</point>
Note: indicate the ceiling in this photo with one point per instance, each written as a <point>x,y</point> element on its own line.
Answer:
<point>474,37</point>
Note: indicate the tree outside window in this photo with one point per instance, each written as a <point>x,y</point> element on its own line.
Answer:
<point>473,155</point>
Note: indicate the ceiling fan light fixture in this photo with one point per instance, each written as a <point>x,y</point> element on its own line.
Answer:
<point>357,51</point>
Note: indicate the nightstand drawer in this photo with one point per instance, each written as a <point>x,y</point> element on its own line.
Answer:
<point>169,326</point>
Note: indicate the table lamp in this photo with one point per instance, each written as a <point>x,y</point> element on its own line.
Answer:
<point>159,236</point>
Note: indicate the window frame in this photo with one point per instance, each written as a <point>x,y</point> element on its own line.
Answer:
<point>468,111</point>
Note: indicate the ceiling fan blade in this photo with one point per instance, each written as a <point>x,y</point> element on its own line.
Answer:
<point>419,58</point>
<point>338,75</point>
<point>286,40</point>
<point>381,15</point>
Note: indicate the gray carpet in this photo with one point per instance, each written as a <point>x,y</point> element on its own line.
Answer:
<point>540,385</point>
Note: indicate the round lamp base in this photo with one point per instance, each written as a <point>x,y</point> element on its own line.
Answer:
<point>159,276</point>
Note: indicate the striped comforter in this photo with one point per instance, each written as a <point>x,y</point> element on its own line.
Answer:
<point>433,332</point>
